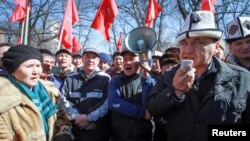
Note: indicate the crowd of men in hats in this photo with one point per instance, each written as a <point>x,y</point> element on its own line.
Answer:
<point>94,97</point>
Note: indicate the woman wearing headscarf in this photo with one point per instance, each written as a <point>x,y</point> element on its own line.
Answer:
<point>27,112</point>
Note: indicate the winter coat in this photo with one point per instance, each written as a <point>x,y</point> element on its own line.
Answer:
<point>226,102</point>
<point>20,119</point>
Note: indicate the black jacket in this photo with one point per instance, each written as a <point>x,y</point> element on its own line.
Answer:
<point>87,94</point>
<point>226,102</point>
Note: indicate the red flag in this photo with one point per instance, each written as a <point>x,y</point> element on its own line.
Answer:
<point>119,44</point>
<point>153,10</point>
<point>105,17</point>
<point>70,17</point>
<point>208,5</point>
<point>20,11</point>
<point>22,3</point>
<point>76,45</point>
<point>19,40</point>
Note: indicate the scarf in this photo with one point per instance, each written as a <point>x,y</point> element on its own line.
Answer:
<point>40,97</point>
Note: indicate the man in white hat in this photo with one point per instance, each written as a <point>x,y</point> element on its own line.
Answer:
<point>207,91</point>
<point>238,38</point>
<point>156,68</point>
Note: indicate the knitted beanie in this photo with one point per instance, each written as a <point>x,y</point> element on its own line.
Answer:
<point>18,54</point>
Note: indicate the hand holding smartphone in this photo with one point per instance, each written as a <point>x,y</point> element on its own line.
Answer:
<point>184,77</point>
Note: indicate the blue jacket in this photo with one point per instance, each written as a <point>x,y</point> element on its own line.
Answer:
<point>127,99</point>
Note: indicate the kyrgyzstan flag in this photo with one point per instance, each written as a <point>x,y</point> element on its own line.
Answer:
<point>153,10</point>
<point>119,44</point>
<point>70,17</point>
<point>20,11</point>
<point>105,17</point>
<point>208,5</point>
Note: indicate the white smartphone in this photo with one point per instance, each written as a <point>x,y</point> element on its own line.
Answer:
<point>186,62</point>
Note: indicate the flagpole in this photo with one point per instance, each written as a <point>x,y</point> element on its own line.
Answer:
<point>22,33</point>
<point>60,38</point>
<point>86,37</point>
<point>26,26</point>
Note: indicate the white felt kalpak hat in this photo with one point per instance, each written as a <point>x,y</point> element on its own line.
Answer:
<point>199,24</point>
<point>238,29</point>
<point>157,54</point>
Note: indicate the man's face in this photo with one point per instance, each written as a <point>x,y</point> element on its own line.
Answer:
<point>77,61</point>
<point>49,60</point>
<point>64,60</point>
<point>47,64</point>
<point>198,49</point>
<point>118,60</point>
<point>103,66</point>
<point>241,48</point>
<point>156,65</point>
<point>130,64</point>
<point>90,62</point>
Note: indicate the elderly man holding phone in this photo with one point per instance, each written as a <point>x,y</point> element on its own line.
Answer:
<point>204,92</point>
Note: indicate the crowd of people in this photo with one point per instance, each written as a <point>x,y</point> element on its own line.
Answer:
<point>92,96</point>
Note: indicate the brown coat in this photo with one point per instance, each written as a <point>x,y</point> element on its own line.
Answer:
<point>20,119</point>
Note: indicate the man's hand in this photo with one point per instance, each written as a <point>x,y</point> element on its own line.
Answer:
<point>147,115</point>
<point>184,78</point>
<point>82,121</point>
<point>144,68</point>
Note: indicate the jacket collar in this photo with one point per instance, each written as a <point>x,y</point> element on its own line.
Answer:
<point>225,73</point>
